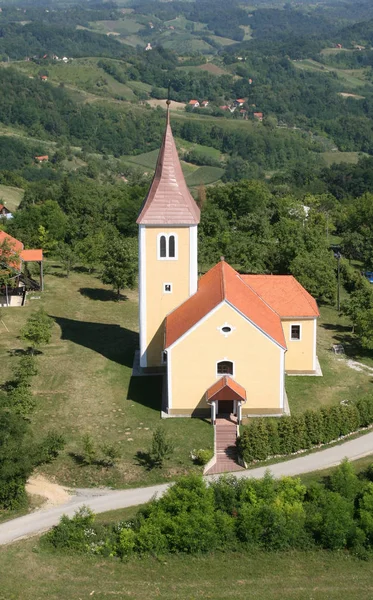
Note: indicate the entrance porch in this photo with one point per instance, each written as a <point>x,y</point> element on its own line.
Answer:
<point>226,397</point>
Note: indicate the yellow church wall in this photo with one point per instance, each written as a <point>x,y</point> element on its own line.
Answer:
<point>258,364</point>
<point>158,272</point>
<point>301,353</point>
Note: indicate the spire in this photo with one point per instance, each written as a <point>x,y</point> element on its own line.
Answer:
<point>169,201</point>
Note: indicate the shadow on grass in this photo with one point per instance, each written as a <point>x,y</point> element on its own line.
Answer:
<point>143,459</point>
<point>112,341</point>
<point>336,327</point>
<point>102,295</point>
<point>23,352</point>
<point>146,391</point>
<point>96,462</point>
<point>350,342</point>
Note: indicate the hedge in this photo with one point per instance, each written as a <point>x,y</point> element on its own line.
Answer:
<point>265,437</point>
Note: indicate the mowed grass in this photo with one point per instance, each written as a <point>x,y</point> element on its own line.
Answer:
<point>84,385</point>
<point>339,381</point>
<point>31,574</point>
<point>10,196</point>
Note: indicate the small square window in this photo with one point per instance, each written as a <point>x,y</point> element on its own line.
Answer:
<point>167,288</point>
<point>164,358</point>
<point>295,332</point>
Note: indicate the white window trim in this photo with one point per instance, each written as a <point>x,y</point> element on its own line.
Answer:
<point>226,333</point>
<point>300,332</point>
<point>219,375</point>
<point>167,291</point>
<point>167,236</point>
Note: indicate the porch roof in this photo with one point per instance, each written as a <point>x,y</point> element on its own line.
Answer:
<point>226,389</point>
<point>32,255</point>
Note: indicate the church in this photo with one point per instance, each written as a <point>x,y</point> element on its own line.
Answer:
<point>224,342</point>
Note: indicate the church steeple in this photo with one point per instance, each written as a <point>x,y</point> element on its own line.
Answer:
<point>168,271</point>
<point>169,201</point>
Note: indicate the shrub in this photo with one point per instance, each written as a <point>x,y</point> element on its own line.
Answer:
<point>161,448</point>
<point>89,449</point>
<point>73,534</point>
<point>51,446</point>
<point>202,457</point>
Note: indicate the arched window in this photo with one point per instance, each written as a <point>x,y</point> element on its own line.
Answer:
<point>167,246</point>
<point>224,367</point>
<point>162,246</point>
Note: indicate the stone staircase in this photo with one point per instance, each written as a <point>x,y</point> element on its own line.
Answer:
<point>226,452</point>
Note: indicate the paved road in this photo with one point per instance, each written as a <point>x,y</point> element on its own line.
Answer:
<point>104,500</point>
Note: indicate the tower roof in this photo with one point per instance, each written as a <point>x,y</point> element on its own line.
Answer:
<point>169,201</point>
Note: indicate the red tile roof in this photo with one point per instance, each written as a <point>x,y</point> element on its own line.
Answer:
<point>16,244</point>
<point>169,201</point>
<point>226,389</point>
<point>32,255</point>
<point>223,283</point>
<point>284,293</point>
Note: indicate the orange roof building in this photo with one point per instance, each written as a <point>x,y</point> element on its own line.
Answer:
<point>20,281</point>
<point>224,342</point>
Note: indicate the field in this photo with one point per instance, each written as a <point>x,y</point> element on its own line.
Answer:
<point>194,175</point>
<point>204,175</point>
<point>10,196</point>
<point>37,575</point>
<point>341,157</point>
<point>85,385</point>
<point>354,78</point>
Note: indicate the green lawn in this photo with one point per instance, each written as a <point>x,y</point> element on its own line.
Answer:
<point>37,575</point>
<point>10,196</point>
<point>339,381</point>
<point>85,386</point>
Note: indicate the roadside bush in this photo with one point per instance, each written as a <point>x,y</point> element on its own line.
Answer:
<point>73,534</point>
<point>193,517</point>
<point>265,437</point>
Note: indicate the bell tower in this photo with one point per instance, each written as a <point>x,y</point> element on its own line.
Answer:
<point>168,274</point>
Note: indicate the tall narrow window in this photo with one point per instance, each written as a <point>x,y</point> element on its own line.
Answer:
<point>162,246</point>
<point>171,246</point>
<point>167,246</point>
<point>224,367</point>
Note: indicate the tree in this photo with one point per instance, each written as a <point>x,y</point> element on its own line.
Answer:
<point>91,250</point>
<point>315,271</point>
<point>161,448</point>
<point>120,264</point>
<point>37,330</point>
<point>67,256</point>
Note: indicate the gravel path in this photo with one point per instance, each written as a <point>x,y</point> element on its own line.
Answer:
<point>104,500</point>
